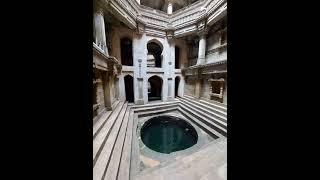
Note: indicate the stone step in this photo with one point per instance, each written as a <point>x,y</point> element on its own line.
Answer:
<point>194,166</point>
<point>102,159</point>
<point>213,102</point>
<point>101,122</point>
<point>105,131</point>
<point>220,106</point>
<point>212,132</point>
<point>114,163</point>
<point>124,168</point>
<point>218,126</point>
<point>154,104</point>
<point>207,107</point>
<point>162,106</point>
<point>210,114</point>
<point>135,150</point>
<point>157,111</point>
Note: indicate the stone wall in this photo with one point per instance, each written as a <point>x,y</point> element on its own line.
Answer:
<point>100,97</point>
<point>205,88</point>
<point>189,87</point>
<point>215,52</point>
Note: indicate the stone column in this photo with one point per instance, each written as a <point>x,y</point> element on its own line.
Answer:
<point>198,85</point>
<point>202,48</point>
<point>99,30</point>
<point>169,10</point>
<point>139,42</point>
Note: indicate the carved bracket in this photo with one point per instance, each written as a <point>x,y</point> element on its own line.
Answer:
<point>170,31</point>
<point>202,27</point>
<point>111,69</point>
<point>140,24</point>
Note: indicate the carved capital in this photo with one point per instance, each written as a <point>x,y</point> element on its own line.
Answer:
<point>202,32</point>
<point>99,10</point>
<point>140,28</point>
<point>170,35</point>
<point>119,68</point>
<point>201,25</point>
<point>140,24</point>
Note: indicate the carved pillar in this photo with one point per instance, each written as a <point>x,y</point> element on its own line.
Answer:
<point>99,30</point>
<point>202,49</point>
<point>140,85</point>
<point>169,10</point>
<point>202,32</point>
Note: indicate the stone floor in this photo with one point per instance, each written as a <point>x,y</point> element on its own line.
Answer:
<point>209,163</point>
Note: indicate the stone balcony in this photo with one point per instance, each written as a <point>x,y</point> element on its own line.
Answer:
<point>208,68</point>
<point>182,22</point>
<point>104,62</point>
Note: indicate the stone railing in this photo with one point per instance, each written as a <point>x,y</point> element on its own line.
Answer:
<point>219,48</point>
<point>208,68</point>
<point>104,62</point>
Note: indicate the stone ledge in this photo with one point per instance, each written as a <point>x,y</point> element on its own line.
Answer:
<point>207,65</point>
<point>98,51</point>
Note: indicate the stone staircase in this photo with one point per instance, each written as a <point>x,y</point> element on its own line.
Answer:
<point>110,142</point>
<point>206,115</point>
<point>114,145</point>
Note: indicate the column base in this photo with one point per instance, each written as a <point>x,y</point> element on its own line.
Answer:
<point>140,102</point>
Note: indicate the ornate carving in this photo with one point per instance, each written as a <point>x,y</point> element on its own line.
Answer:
<point>202,28</point>
<point>111,69</point>
<point>170,31</point>
<point>170,35</point>
<point>140,24</point>
<point>184,20</point>
<point>119,68</point>
<point>140,28</point>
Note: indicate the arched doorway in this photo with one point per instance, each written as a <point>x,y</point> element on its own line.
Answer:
<point>176,87</point>
<point>154,58</point>
<point>128,83</point>
<point>126,52</point>
<point>177,58</point>
<point>154,88</point>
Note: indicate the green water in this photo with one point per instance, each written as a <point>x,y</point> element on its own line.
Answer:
<point>166,134</point>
